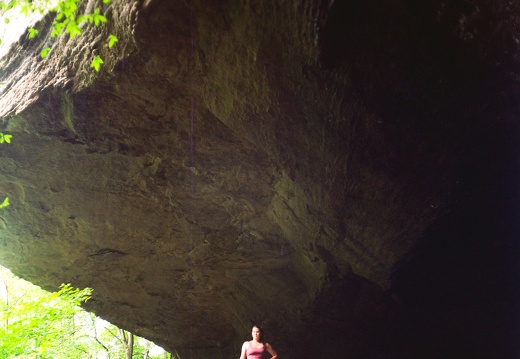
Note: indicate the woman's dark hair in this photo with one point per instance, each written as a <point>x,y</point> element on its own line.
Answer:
<point>261,330</point>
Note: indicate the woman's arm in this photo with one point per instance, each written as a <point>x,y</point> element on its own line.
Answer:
<point>271,351</point>
<point>244,349</point>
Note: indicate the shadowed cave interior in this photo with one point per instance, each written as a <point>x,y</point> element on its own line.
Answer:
<point>345,173</point>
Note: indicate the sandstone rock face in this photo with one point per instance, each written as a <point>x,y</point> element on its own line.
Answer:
<point>343,172</point>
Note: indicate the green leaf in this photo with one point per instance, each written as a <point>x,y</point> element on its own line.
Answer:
<point>32,33</point>
<point>45,52</point>
<point>25,9</point>
<point>5,203</point>
<point>98,19</point>
<point>7,138</point>
<point>112,39</point>
<point>73,29</point>
<point>96,63</point>
<point>57,28</point>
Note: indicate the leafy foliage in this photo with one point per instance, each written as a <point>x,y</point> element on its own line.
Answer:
<point>45,52</point>
<point>32,33</point>
<point>66,20</point>
<point>35,324</point>
<point>96,63</point>
<point>5,138</point>
<point>112,40</point>
<point>41,325</point>
<point>5,203</point>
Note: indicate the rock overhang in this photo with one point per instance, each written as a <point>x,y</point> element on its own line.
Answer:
<point>218,171</point>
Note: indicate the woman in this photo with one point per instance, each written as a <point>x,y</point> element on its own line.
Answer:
<point>256,348</point>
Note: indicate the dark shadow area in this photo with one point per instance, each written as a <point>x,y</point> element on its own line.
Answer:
<point>463,277</point>
<point>402,60</point>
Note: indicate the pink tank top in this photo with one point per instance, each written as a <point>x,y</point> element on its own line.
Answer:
<point>255,353</point>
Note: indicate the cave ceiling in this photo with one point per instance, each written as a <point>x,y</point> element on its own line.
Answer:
<point>326,168</point>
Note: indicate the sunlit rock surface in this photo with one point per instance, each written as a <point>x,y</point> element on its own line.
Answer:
<point>344,172</point>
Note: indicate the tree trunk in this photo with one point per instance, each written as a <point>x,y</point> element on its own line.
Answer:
<point>128,342</point>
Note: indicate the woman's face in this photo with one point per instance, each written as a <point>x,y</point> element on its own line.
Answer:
<point>256,334</point>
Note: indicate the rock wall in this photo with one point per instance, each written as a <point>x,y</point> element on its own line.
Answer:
<point>334,170</point>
